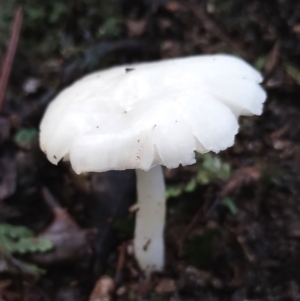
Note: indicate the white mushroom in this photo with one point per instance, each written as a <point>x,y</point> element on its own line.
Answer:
<point>147,115</point>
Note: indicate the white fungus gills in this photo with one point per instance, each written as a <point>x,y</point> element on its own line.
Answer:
<point>155,114</point>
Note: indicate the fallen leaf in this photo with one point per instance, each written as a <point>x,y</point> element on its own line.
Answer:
<point>69,240</point>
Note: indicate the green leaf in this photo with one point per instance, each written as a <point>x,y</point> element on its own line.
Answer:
<point>24,137</point>
<point>29,245</point>
<point>173,192</point>
<point>19,239</point>
<point>203,177</point>
<point>260,63</point>
<point>229,203</point>
<point>210,168</point>
<point>111,27</point>
<point>191,185</point>
<point>15,231</point>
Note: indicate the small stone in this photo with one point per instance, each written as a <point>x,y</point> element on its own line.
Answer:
<point>121,291</point>
<point>296,29</point>
<point>199,277</point>
<point>217,283</point>
<point>31,85</point>
<point>103,289</point>
<point>136,28</point>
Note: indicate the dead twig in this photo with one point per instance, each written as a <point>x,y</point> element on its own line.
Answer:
<point>188,229</point>
<point>120,264</point>
<point>10,53</point>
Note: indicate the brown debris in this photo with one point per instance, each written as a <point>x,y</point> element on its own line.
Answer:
<point>240,178</point>
<point>215,29</point>
<point>165,285</point>
<point>8,183</point>
<point>142,288</point>
<point>24,291</point>
<point>136,28</point>
<point>203,277</point>
<point>170,49</point>
<point>5,283</point>
<point>121,262</point>
<point>294,229</point>
<point>273,59</point>
<point>103,289</point>
<point>134,208</point>
<point>4,129</point>
<point>296,29</point>
<point>248,253</point>
<point>173,6</point>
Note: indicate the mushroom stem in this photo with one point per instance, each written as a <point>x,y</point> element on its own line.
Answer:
<point>150,220</point>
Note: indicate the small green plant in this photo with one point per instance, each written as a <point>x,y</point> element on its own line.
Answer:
<point>20,240</point>
<point>24,137</point>
<point>209,168</point>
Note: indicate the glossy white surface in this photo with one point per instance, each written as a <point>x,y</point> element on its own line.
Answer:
<point>157,113</point>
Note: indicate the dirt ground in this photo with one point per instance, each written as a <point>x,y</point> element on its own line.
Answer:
<point>233,221</point>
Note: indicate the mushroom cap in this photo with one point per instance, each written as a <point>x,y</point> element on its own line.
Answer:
<point>138,116</point>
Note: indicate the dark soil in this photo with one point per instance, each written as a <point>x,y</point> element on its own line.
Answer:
<point>248,249</point>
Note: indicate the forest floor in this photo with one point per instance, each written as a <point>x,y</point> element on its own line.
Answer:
<point>233,220</point>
